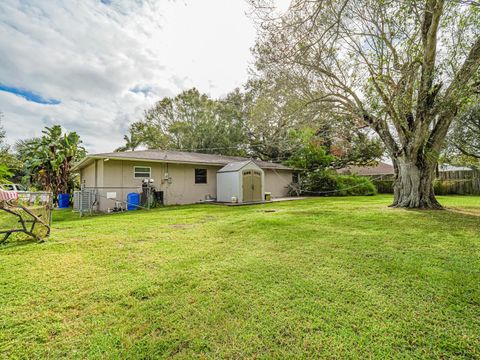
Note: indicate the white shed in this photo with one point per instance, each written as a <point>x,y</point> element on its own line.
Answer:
<point>242,180</point>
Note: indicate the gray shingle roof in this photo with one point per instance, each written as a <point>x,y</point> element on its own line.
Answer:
<point>380,169</point>
<point>181,157</point>
<point>234,166</point>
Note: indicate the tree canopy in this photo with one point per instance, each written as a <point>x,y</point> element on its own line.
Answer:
<point>256,122</point>
<point>191,121</point>
<point>465,135</point>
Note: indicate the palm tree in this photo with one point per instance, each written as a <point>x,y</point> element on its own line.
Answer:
<point>131,143</point>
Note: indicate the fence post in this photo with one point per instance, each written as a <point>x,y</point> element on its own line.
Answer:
<point>80,200</point>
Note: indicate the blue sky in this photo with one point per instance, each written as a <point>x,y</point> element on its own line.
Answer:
<point>94,66</point>
<point>28,95</point>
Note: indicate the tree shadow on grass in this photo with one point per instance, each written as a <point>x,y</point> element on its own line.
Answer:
<point>451,218</point>
<point>13,243</point>
<point>475,212</point>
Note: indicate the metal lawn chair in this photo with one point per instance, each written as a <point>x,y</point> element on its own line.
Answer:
<point>30,212</point>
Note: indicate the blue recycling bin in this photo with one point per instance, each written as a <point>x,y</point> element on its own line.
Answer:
<point>133,201</point>
<point>63,201</point>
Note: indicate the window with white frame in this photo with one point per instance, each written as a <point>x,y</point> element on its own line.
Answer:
<point>142,172</point>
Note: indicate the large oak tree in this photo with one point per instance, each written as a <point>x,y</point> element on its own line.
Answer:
<point>404,68</point>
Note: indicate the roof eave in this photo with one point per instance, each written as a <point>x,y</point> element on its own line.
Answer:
<point>80,165</point>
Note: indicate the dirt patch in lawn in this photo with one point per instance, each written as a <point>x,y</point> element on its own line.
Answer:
<point>181,226</point>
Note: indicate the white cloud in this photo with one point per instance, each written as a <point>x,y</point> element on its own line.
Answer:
<point>106,63</point>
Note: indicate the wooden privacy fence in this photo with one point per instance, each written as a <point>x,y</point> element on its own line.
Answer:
<point>460,182</point>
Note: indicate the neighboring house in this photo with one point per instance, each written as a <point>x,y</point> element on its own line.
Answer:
<point>447,167</point>
<point>387,169</point>
<point>380,169</point>
<point>184,177</point>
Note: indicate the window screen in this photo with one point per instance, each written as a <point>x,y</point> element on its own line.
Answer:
<point>141,172</point>
<point>200,176</point>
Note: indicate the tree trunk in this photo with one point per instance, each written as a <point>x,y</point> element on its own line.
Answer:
<point>413,186</point>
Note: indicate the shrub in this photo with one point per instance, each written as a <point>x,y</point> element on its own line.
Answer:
<point>329,183</point>
<point>440,187</point>
<point>355,185</point>
<point>384,186</point>
<point>5,173</point>
<point>320,181</point>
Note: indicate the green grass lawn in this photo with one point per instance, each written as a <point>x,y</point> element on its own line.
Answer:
<point>328,277</point>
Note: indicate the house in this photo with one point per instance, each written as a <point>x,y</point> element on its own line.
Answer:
<point>384,169</point>
<point>381,168</point>
<point>182,177</point>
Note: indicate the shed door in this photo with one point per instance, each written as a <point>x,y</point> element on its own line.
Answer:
<point>252,185</point>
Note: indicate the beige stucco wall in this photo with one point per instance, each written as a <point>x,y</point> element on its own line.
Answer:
<point>277,181</point>
<point>100,177</point>
<point>87,175</point>
<point>119,173</point>
<point>182,188</point>
<point>119,180</point>
<point>92,175</point>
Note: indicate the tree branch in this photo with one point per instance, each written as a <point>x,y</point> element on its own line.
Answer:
<point>450,108</point>
<point>432,14</point>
